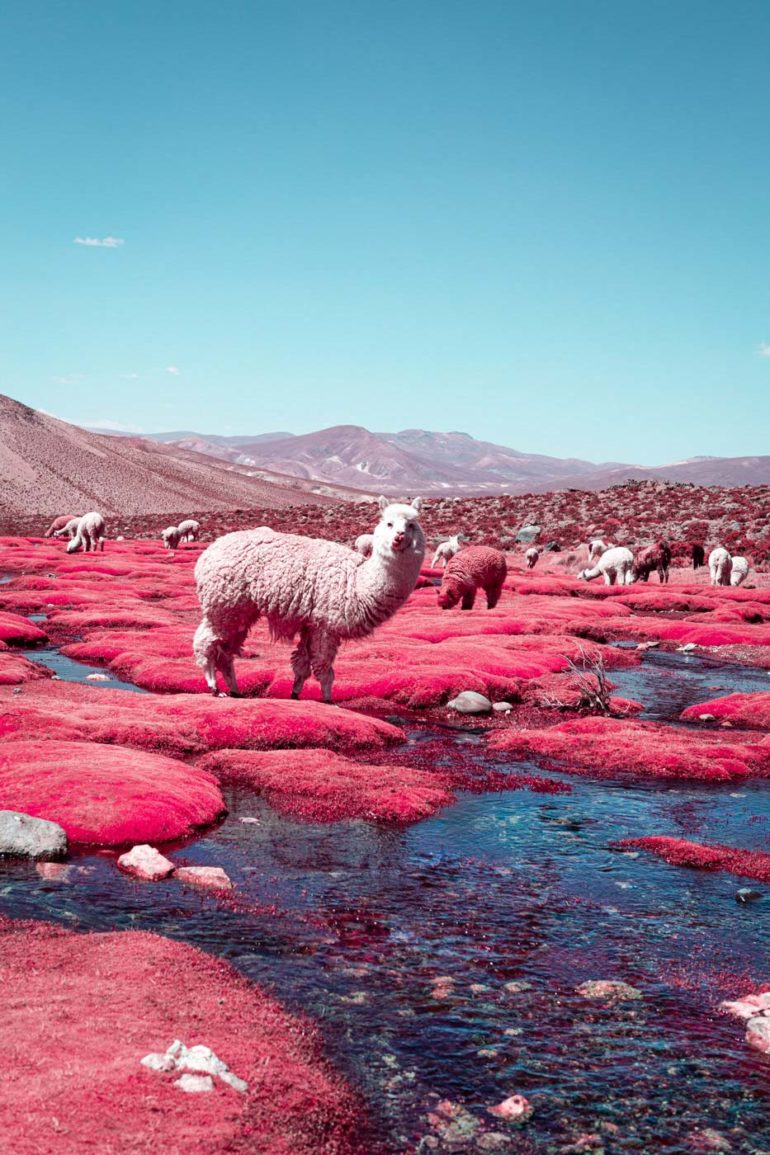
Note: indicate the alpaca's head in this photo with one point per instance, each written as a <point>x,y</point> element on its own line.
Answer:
<point>398,530</point>
<point>584,575</point>
<point>449,594</point>
<point>72,545</point>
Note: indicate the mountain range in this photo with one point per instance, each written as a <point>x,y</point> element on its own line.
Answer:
<point>453,464</point>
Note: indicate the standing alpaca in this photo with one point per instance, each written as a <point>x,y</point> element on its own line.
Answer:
<point>475,567</point>
<point>59,524</point>
<point>739,571</point>
<point>364,544</point>
<point>596,548</point>
<point>189,530</point>
<point>615,565</point>
<point>89,535</point>
<point>653,557</point>
<point>171,536</point>
<point>446,550</point>
<point>698,556</point>
<point>720,566</point>
<point>532,555</point>
<point>319,589</point>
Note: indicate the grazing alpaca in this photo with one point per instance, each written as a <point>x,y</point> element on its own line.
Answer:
<point>171,536</point>
<point>532,555</point>
<point>445,550</point>
<point>70,528</point>
<point>189,530</point>
<point>615,566</point>
<point>653,557</point>
<point>720,566</point>
<point>739,571</point>
<point>324,591</point>
<point>475,567</point>
<point>698,556</point>
<point>89,535</point>
<point>596,548</point>
<point>59,524</point>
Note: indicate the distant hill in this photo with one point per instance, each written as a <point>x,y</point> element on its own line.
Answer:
<point>49,467</point>
<point>453,464</point>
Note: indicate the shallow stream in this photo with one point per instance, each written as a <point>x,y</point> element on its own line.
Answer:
<point>354,924</point>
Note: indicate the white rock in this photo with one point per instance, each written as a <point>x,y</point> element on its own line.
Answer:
<point>502,707</point>
<point>194,1084</point>
<point>28,837</point>
<point>159,1062</point>
<point>145,862</point>
<point>469,702</point>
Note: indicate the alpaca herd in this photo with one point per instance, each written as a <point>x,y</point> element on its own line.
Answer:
<point>322,593</point>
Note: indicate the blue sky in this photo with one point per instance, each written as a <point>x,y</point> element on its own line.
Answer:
<point>546,224</point>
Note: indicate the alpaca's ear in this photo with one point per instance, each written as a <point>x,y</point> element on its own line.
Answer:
<point>416,503</point>
<point>383,502</point>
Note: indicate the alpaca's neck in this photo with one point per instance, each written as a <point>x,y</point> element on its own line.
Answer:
<point>383,583</point>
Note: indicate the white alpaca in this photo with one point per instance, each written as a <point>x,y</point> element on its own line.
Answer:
<point>70,528</point>
<point>446,550</point>
<point>364,543</point>
<point>532,555</point>
<point>171,536</point>
<point>615,565</point>
<point>89,535</point>
<point>189,530</point>
<point>720,566</point>
<point>596,548</point>
<point>739,571</point>
<point>319,589</point>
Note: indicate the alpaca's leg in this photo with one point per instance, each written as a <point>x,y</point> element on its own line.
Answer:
<point>323,651</point>
<point>609,577</point>
<point>469,598</point>
<point>300,662</point>
<point>493,596</point>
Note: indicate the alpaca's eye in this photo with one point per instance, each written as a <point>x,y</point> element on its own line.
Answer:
<point>390,525</point>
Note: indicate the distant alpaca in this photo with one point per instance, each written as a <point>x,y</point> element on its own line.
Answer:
<point>446,550</point>
<point>322,590</point>
<point>532,555</point>
<point>364,544</point>
<point>59,524</point>
<point>739,571</point>
<point>171,536</point>
<point>70,528</point>
<point>89,535</point>
<point>596,548</point>
<point>616,565</point>
<point>698,556</point>
<point>720,566</point>
<point>189,530</point>
<point>475,567</point>
<point>653,557</point>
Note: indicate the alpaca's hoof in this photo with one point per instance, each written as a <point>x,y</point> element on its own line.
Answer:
<point>295,695</point>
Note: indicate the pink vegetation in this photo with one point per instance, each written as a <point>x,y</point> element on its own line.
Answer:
<point>17,631</point>
<point>752,710</point>
<point>678,852</point>
<point>320,786</point>
<point>106,795</point>
<point>604,748</point>
<point>473,568</point>
<point>82,1010</point>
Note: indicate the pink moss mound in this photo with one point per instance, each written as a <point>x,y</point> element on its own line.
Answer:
<point>677,851</point>
<point>17,631</point>
<point>604,748</point>
<point>105,795</point>
<point>182,724</point>
<point>15,669</point>
<point>751,710</point>
<point>82,1010</point>
<point>320,786</point>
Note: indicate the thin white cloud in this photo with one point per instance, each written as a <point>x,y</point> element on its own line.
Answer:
<point>68,379</point>
<point>99,242</point>
<point>764,349</point>
<point>172,369</point>
<point>109,425</point>
<point>129,376</point>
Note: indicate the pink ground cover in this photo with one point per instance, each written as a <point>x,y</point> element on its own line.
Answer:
<point>321,786</point>
<point>82,1010</point>
<point>752,710</point>
<point>107,795</point>
<point>605,747</point>
<point>17,631</point>
<point>678,852</point>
